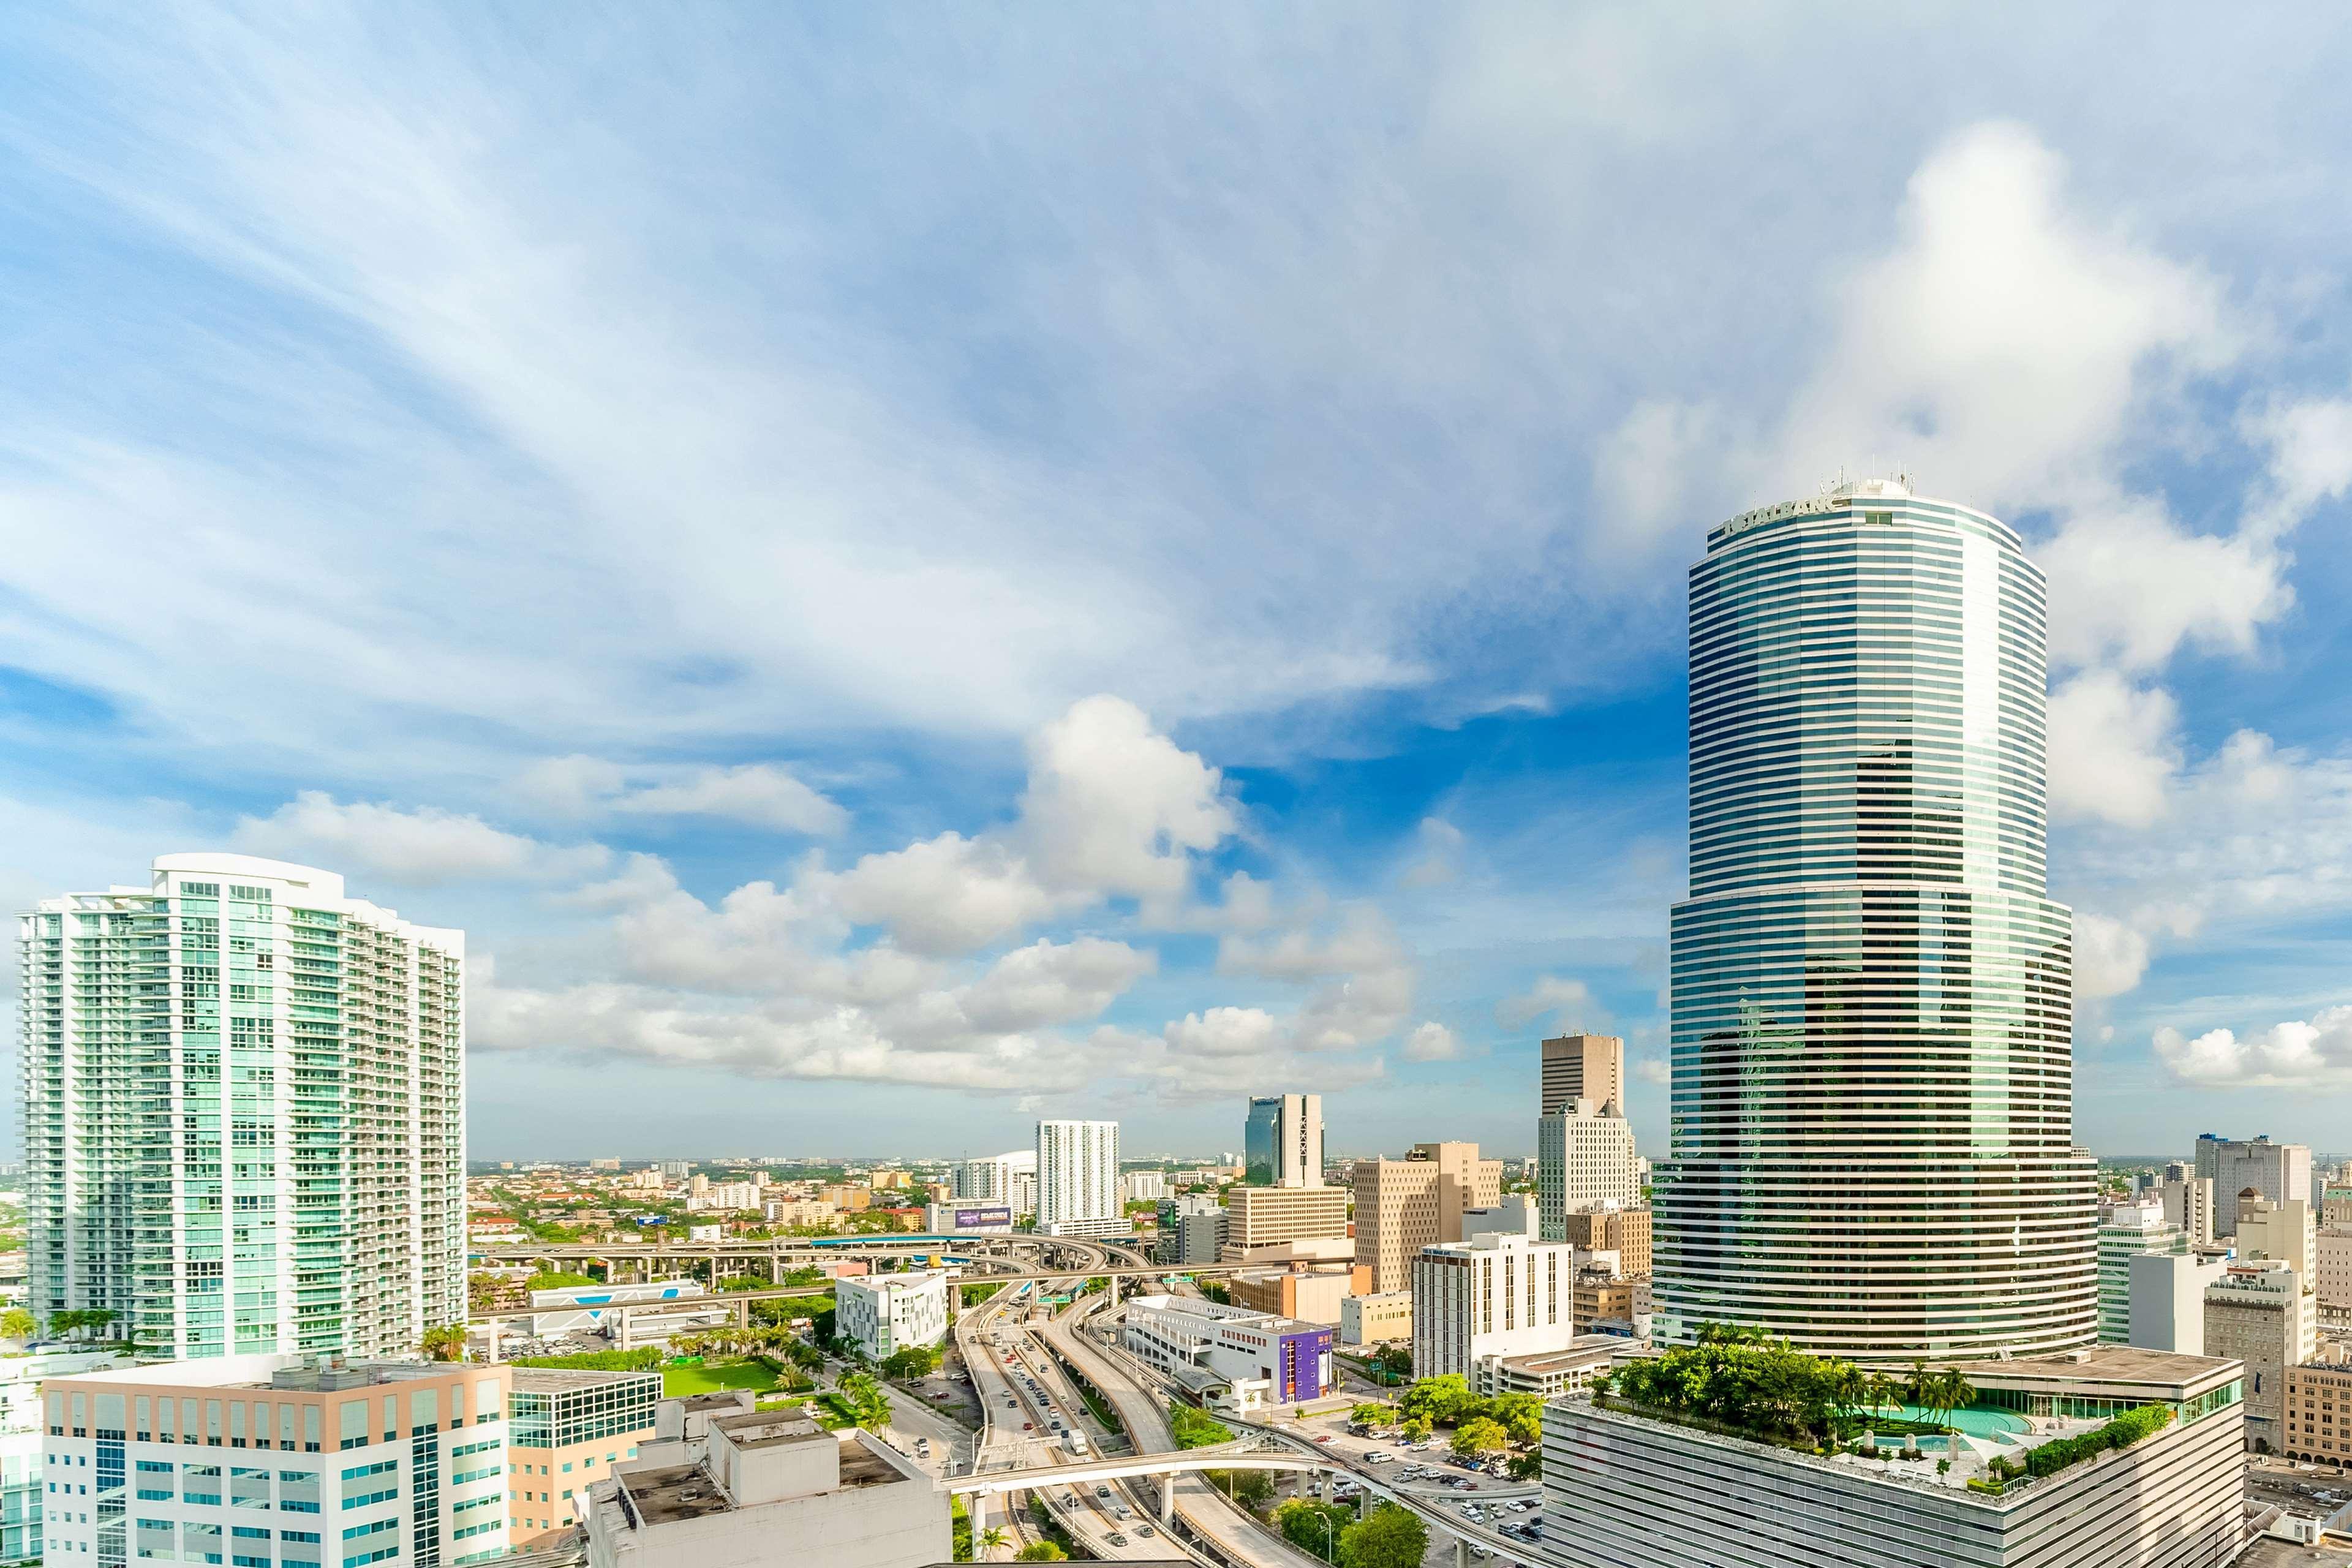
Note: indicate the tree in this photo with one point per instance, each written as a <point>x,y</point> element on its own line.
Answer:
<point>1478,1436</point>
<point>1413,1428</point>
<point>993,1537</point>
<point>1313,1527</point>
<point>1392,1362</point>
<point>1041,1552</point>
<point>1388,1537</point>
<point>1250,1488</point>
<point>914,1361</point>
<point>445,1342</point>
<point>1439,1400</point>
<point>1525,1466</point>
<point>1521,1416</point>
<point>866,1400</point>
<point>18,1324</point>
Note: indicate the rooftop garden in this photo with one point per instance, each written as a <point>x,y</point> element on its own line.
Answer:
<point>1741,1382</point>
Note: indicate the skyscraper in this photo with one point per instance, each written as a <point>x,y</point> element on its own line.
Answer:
<point>245,1124</point>
<point>1583,1067</point>
<point>1077,1179</point>
<point>1282,1144</point>
<point>1872,1141</point>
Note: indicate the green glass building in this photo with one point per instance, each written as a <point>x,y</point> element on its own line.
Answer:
<point>1872,1145</point>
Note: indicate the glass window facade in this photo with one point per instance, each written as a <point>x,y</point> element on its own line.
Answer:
<point>1872,1115</point>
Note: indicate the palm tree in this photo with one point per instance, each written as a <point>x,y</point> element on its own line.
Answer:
<point>1880,1392</point>
<point>1949,1391</point>
<point>992,1537</point>
<point>445,1342</point>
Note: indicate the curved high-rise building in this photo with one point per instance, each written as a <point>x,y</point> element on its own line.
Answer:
<point>1872,1136</point>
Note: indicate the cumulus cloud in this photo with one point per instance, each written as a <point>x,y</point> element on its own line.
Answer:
<point>2128,587</point>
<point>2110,956</point>
<point>1653,1069</point>
<point>1440,858</point>
<point>2114,750</point>
<point>764,794</point>
<point>1553,995</point>
<point>1054,983</point>
<point>1431,1042</point>
<point>422,847</point>
<point>2313,1054</point>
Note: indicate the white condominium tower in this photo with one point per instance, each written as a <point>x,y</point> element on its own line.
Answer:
<point>245,1125</point>
<point>1282,1142</point>
<point>1077,1179</point>
<point>1872,1139</point>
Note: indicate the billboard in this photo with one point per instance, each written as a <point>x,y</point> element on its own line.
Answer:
<point>997,1218</point>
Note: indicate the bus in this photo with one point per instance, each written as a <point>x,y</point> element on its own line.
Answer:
<point>1074,1441</point>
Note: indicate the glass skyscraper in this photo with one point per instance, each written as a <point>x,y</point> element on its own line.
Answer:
<point>1282,1144</point>
<point>1872,1128</point>
<point>244,1120</point>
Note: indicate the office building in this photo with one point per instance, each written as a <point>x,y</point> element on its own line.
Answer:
<point>1511,1215</point>
<point>1640,1491</point>
<point>725,1196</point>
<point>244,1112</point>
<point>885,1313</point>
<point>2127,1230</point>
<point>2280,1231</point>
<point>994,1179</point>
<point>1584,1159</point>
<point>567,1428</point>
<point>2257,1314</point>
<point>2331,1252</point>
<point>1283,1141</point>
<point>1077,1179</point>
<point>1625,1232</point>
<point>1583,1067</point>
<point>1191,1229</point>
<point>1259,1217</point>
<point>771,1487</point>
<point>1547,1374</point>
<point>2275,1171</point>
<point>1404,1206</point>
<point>1473,1301</point>
<point>1605,1301</point>
<point>968,1219</point>
<point>1309,1294</point>
<point>1873,1151</point>
<point>1376,1317</point>
<point>2318,1427</point>
<point>23,1441</point>
<point>2168,1299</point>
<point>280,1462</point>
<point>2188,1205</point>
<point>1258,1358</point>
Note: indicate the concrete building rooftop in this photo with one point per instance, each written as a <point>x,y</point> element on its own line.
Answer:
<point>2123,1365</point>
<point>769,1428</point>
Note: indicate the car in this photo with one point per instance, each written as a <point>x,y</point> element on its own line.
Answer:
<point>1145,1530</point>
<point>1117,1539</point>
<point>1102,1491</point>
<point>1518,1508</point>
<point>1028,1426</point>
<point>1324,1439</point>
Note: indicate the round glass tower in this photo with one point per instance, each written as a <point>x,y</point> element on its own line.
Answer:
<point>1872,1150</point>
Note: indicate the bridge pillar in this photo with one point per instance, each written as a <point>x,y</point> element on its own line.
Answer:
<point>1461,1553</point>
<point>1168,1500</point>
<point>620,1328</point>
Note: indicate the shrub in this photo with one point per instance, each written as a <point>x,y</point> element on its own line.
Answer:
<point>1196,1428</point>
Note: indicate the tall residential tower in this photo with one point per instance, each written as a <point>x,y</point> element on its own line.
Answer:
<point>244,1117</point>
<point>1872,1127</point>
<point>1077,1179</point>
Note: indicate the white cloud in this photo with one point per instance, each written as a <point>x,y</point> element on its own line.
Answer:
<point>1431,1042</point>
<point>1441,851</point>
<point>1565,1000</point>
<point>2110,956</point>
<point>2314,1057</point>
<point>2129,587</point>
<point>1224,1033</point>
<point>421,847</point>
<point>764,795</point>
<point>948,894</point>
<point>2114,750</point>
<point>1054,983</point>
<point>1653,1069</point>
<point>1114,807</point>
<point>2310,445</point>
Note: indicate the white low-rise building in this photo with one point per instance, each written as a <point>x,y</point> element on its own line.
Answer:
<point>886,1313</point>
<point>1203,1342</point>
<point>586,1309</point>
<point>772,1489</point>
<point>267,1461</point>
<point>1495,1295</point>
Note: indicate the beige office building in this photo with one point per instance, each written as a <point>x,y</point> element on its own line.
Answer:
<point>1309,1295</point>
<point>1372,1318</point>
<point>2317,1429</point>
<point>2332,1252</point>
<point>1625,1232</point>
<point>1404,1206</point>
<point>1583,1067</point>
<point>1271,1217</point>
<point>2258,1314</point>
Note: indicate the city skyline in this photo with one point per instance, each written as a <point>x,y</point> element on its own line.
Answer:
<point>1037,677</point>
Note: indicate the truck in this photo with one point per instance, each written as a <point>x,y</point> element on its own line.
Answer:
<point>1074,1441</point>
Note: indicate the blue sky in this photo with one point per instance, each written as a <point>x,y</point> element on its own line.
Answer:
<point>899,571</point>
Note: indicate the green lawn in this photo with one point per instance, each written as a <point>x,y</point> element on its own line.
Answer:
<point>680,1381</point>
